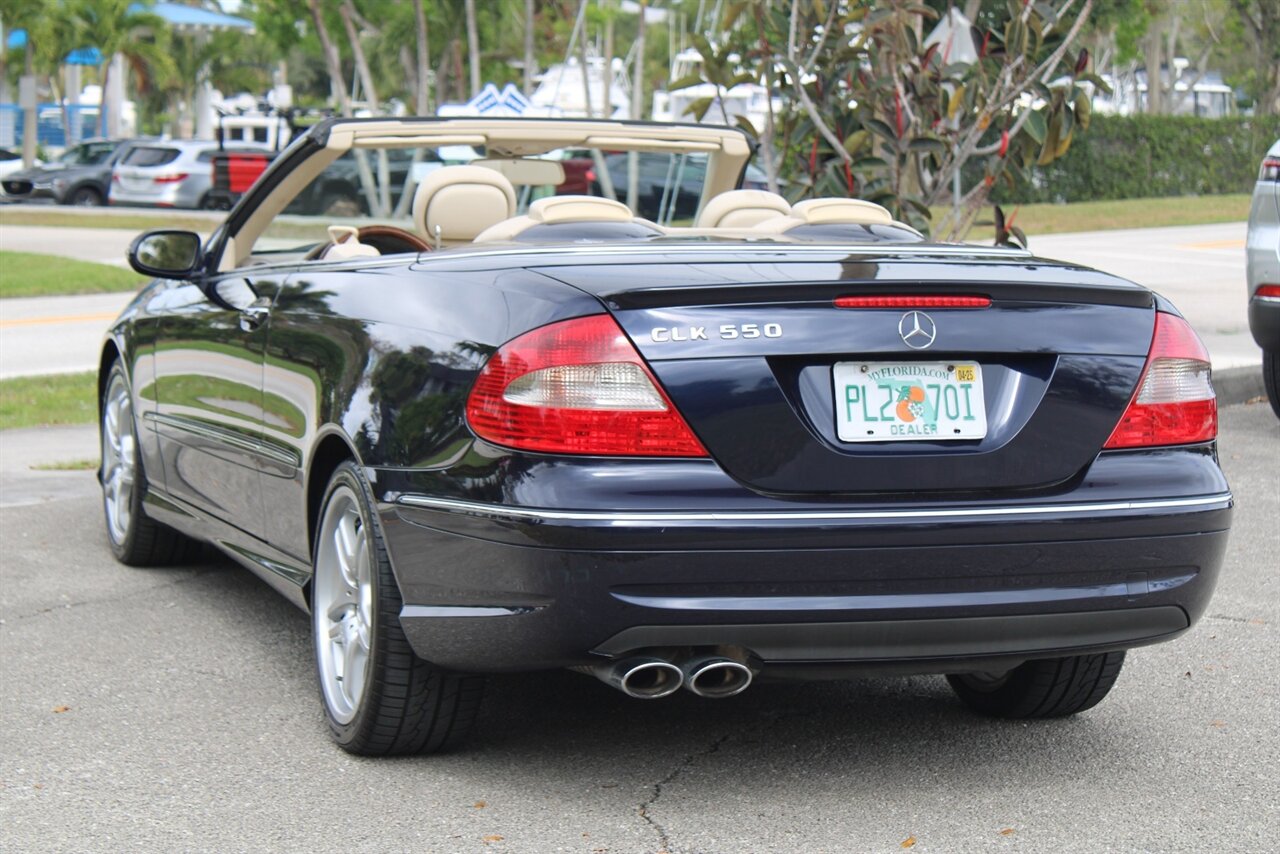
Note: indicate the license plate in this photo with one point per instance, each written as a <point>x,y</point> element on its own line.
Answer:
<point>905,401</point>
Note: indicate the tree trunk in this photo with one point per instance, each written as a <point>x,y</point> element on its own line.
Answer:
<point>383,199</point>
<point>424,59</point>
<point>339,85</point>
<point>637,110</point>
<point>608,60</point>
<point>332,61</point>
<point>473,47</point>
<point>102,98</point>
<point>1152,50</point>
<point>529,20</point>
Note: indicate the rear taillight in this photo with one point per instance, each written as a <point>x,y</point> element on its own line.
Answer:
<point>1270,170</point>
<point>1174,403</point>
<point>577,387</point>
<point>1267,291</point>
<point>170,179</point>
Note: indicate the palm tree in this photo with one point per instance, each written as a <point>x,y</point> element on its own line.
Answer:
<point>126,28</point>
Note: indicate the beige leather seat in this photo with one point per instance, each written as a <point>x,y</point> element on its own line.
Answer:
<point>742,209</point>
<point>453,204</point>
<point>829,212</point>
<point>554,210</point>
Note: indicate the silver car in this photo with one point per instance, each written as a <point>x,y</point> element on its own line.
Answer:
<point>1262,248</point>
<point>171,174</point>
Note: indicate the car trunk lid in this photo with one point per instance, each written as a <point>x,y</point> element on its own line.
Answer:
<point>757,357</point>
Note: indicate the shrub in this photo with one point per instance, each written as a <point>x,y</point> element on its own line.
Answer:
<point>1127,157</point>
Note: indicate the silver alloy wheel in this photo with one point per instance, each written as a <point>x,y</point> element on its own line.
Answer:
<point>342,604</point>
<point>119,458</point>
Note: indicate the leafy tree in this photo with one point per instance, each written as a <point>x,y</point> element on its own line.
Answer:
<point>873,112</point>
<point>128,28</point>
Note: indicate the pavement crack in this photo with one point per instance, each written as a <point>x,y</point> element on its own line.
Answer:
<point>664,838</point>
<point>65,606</point>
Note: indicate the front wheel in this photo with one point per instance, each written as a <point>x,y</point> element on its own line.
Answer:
<point>1049,688</point>
<point>85,197</point>
<point>1271,378</point>
<point>379,697</point>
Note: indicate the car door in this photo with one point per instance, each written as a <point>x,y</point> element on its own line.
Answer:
<point>210,417</point>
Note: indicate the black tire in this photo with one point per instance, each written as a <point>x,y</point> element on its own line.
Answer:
<point>1049,688</point>
<point>406,705</point>
<point>139,541</point>
<point>85,197</point>
<point>1271,378</point>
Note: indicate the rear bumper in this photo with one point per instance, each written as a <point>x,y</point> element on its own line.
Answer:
<point>490,587</point>
<point>1264,322</point>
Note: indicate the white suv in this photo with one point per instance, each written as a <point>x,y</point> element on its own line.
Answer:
<point>1263,250</point>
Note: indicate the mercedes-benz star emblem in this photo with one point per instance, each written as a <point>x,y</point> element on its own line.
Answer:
<point>917,330</point>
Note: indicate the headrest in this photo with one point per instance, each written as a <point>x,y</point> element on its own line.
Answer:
<point>557,209</point>
<point>462,201</point>
<point>844,211</point>
<point>742,209</point>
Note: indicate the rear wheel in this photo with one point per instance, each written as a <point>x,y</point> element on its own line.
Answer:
<point>135,539</point>
<point>379,697</point>
<point>1049,688</point>
<point>1271,378</point>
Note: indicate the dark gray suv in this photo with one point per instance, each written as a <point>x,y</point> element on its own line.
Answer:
<point>81,176</point>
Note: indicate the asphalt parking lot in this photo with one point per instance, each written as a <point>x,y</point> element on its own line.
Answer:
<point>175,709</point>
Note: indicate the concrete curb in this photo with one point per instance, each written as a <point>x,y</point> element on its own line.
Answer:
<point>1238,385</point>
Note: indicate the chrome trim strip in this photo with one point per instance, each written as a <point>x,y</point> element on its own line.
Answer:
<point>496,511</point>
<point>227,437</point>
<point>428,612</point>
<point>623,250</point>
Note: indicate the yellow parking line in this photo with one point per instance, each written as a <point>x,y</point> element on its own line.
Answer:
<point>1214,244</point>
<point>66,318</point>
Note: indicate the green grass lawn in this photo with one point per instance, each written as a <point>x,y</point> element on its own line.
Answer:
<point>25,274</point>
<point>58,217</point>
<point>1105,216</point>
<point>54,399</point>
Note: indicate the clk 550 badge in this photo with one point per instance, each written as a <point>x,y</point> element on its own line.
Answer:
<point>726,332</point>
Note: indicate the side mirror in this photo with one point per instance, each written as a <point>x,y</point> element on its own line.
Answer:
<point>167,254</point>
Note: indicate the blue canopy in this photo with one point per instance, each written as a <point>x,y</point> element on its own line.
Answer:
<point>194,17</point>
<point>17,40</point>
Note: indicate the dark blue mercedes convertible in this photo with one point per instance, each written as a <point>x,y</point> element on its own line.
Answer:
<point>475,426</point>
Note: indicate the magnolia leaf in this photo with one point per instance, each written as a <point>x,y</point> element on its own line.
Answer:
<point>685,82</point>
<point>1084,109</point>
<point>738,79</point>
<point>1063,144</point>
<point>699,107</point>
<point>925,144</point>
<point>1047,152</point>
<point>919,206</point>
<point>731,13</point>
<point>870,163</point>
<point>1097,81</point>
<point>957,98</point>
<point>855,141</point>
<point>881,128</point>
<point>1035,126</point>
<point>745,123</point>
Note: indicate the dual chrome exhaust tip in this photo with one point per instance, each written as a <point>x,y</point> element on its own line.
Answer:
<point>648,677</point>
